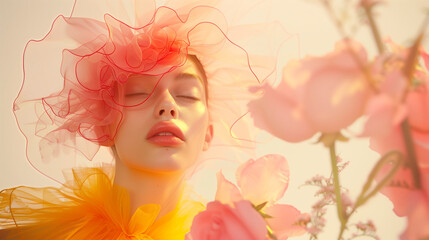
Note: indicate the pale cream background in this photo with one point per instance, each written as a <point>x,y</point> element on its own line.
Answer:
<point>24,20</point>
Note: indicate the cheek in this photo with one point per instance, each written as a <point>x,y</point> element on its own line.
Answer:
<point>197,120</point>
<point>133,123</point>
<point>130,131</point>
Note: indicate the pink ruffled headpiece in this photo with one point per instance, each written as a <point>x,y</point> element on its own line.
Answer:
<point>70,101</point>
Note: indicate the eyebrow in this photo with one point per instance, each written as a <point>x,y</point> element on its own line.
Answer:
<point>190,75</point>
<point>202,80</point>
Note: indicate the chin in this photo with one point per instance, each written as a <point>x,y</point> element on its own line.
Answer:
<point>167,164</point>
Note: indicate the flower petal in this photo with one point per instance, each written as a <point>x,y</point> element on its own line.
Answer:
<point>265,179</point>
<point>425,57</point>
<point>280,116</point>
<point>418,106</point>
<point>418,220</point>
<point>284,221</point>
<point>225,222</point>
<point>250,217</point>
<point>226,192</point>
<point>336,91</point>
<point>381,113</point>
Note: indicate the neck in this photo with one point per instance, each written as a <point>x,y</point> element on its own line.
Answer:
<point>149,187</point>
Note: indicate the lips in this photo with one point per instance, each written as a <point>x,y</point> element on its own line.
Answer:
<point>165,134</point>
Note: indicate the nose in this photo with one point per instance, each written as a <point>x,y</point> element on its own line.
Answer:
<point>166,108</point>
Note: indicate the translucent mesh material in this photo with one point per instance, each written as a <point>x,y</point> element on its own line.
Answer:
<point>71,102</point>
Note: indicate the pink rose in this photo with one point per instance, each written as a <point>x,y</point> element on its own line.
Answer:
<point>224,222</point>
<point>317,94</point>
<point>408,200</point>
<point>253,177</point>
<point>387,109</point>
<point>388,136</point>
<point>259,181</point>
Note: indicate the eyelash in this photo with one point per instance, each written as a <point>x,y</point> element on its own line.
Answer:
<point>188,97</point>
<point>179,96</point>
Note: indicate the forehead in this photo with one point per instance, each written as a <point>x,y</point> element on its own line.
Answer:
<point>191,69</point>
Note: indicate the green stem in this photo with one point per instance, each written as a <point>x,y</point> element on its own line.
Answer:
<point>344,35</point>
<point>374,29</point>
<point>340,235</point>
<point>411,152</point>
<point>406,132</point>
<point>337,189</point>
<point>409,70</point>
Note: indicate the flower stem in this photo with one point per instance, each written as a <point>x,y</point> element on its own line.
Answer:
<point>409,70</point>
<point>337,189</point>
<point>340,27</point>
<point>411,153</point>
<point>374,29</point>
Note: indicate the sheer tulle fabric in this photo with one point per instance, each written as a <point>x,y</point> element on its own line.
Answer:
<point>70,102</point>
<point>88,207</point>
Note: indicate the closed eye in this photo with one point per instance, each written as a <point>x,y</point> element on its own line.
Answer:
<point>188,97</point>
<point>136,94</point>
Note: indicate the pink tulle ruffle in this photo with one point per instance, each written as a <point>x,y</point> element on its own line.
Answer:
<point>70,101</point>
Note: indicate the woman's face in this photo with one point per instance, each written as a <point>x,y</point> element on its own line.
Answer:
<point>168,131</point>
